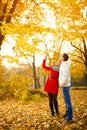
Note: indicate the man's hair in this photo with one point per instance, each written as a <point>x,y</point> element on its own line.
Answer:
<point>66,57</point>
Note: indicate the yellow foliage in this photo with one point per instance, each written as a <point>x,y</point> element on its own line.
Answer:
<point>77,71</point>
<point>68,1</point>
<point>70,25</point>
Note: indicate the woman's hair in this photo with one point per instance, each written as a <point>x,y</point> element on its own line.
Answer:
<point>66,57</point>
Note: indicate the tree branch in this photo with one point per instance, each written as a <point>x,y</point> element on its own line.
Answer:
<point>54,5</point>
<point>76,61</point>
<point>77,48</point>
<point>3,13</point>
<point>80,57</point>
<point>15,2</point>
<point>85,47</point>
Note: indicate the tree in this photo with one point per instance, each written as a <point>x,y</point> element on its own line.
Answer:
<point>28,51</point>
<point>77,74</point>
<point>80,55</point>
<point>33,14</point>
<point>74,29</point>
<point>69,26</point>
<point>16,10</point>
<point>6,14</point>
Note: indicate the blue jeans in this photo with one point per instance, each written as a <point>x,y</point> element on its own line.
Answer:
<point>66,96</point>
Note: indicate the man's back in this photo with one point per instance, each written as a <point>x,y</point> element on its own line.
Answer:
<point>64,74</point>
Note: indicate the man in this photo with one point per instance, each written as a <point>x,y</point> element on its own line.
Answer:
<point>64,83</point>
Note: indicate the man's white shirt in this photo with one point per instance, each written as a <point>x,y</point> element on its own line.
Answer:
<point>64,74</point>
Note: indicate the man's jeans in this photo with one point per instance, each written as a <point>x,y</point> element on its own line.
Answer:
<point>66,96</point>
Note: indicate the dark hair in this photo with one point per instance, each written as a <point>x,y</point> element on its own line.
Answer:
<point>66,57</point>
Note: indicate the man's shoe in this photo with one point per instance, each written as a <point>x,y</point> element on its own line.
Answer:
<point>64,116</point>
<point>67,122</point>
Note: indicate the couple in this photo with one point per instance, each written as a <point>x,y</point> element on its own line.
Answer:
<point>59,76</point>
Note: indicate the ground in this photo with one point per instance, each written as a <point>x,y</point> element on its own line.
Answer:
<point>35,115</point>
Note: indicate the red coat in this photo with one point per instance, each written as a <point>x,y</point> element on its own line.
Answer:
<point>51,85</point>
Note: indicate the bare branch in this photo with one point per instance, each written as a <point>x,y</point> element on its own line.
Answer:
<point>37,3</point>
<point>77,61</point>
<point>53,5</point>
<point>80,57</point>
<point>28,62</point>
<point>77,48</point>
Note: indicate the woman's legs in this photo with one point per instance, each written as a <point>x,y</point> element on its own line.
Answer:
<point>51,103</point>
<point>55,103</point>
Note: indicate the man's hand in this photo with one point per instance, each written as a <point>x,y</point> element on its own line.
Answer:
<point>62,85</point>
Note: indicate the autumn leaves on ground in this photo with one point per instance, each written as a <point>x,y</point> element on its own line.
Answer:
<point>35,114</point>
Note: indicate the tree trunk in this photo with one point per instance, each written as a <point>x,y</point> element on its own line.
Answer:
<point>34,72</point>
<point>38,83</point>
<point>2,20</point>
<point>8,20</point>
<point>44,80</point>
<point>86,76</point>
<point>85,57</point>
<point>1,39</point>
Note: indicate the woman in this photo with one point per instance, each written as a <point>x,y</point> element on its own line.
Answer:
<point>52,85</point>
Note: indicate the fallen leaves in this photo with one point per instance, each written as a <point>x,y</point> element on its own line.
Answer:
<point>36,115</point>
